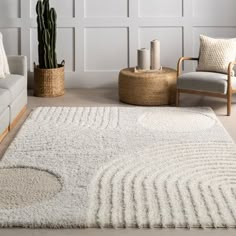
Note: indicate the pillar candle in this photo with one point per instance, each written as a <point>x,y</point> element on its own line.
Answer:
<point>155,55</point>
<point>144,59</point>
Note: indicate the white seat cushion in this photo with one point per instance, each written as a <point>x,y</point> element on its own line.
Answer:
<point>205,81</point>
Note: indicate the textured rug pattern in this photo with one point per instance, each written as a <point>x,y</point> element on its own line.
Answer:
<point>123,167</point>
<point>170,186</point>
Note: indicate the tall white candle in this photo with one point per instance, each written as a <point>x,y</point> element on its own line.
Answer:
<point>155,55</point>
<point>144,59</point>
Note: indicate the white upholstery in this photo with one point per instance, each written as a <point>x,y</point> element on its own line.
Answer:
<point>4,99</point>
<point>205,81</point>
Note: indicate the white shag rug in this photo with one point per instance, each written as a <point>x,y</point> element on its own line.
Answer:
<point>119,167</point>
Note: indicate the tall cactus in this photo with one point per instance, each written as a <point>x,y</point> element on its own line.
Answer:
<point>53,18</point>
<point>46,20</point>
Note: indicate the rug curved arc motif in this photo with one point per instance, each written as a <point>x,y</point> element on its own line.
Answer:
<point>172,122</point>
<point>180,193</point>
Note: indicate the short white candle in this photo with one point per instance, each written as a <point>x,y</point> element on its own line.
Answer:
<point>144,59</point>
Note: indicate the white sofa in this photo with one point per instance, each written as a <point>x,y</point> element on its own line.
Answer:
<point>13,94</point>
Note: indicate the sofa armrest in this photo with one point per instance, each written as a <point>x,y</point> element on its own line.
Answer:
<point>18,65</point>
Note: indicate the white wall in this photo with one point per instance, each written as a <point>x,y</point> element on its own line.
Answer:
<point>99,37</point>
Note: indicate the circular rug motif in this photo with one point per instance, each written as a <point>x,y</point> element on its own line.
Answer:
<point>22,187</point>
<point>172,121</point>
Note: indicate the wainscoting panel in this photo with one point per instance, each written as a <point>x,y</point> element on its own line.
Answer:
<point>112,52</point>
<point>9,9</point>
<point>97,38</point>
<point>106,8</point>
<point>161,8</point>
<point>11,40</point>
<point>65,8</point>
<point>214,8</point>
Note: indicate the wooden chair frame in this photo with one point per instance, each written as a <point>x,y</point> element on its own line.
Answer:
<point>227,96</point>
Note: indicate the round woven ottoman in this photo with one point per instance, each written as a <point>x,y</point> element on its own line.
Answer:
<point>148,88</point>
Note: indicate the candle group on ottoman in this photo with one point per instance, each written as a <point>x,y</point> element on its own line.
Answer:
<point>150,61</point>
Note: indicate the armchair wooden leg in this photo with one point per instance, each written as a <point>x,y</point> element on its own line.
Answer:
<point>177,97</point>
<point>229,104</point>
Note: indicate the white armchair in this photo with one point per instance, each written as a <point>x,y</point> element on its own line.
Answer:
<point>206,83</point>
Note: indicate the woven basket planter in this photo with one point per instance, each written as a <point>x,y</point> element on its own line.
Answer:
<point>49,82</point>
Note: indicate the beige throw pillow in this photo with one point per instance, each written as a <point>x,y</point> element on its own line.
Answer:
<point>216,54</point>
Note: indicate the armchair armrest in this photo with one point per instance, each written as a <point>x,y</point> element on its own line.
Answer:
<point>179,66</point>
<point>18,65</point>
<point>230,68</point>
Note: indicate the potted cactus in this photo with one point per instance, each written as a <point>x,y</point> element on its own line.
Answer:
<point>48,75</point>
